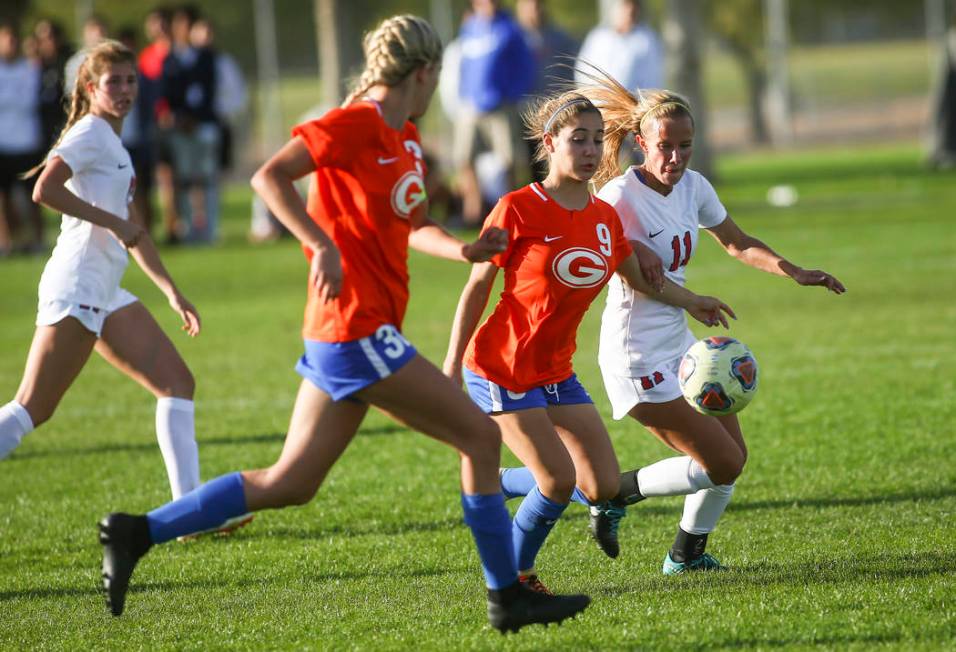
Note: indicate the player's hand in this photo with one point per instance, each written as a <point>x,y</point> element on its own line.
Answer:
<point>129,233</point>
<point>818,277</point>
<point>325,274</point>
<point>652,269</point>
<point>710,311</point>
<point>187,312</point>
<point>452,369</point>
<point>491,242</point>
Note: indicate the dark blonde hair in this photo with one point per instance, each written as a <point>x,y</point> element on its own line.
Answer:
<point>624,113</point>
<point>394,49</point>
<point>98,59</point>
<point>548,115</point>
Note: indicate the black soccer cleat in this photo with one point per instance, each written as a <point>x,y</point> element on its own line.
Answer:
<point>125,539</point>
<point>604,522</point>
<point>527,607</point>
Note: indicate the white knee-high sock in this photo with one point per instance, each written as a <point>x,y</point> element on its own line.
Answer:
<point>15,424</point>
<point>176,432</point>
<point>674,476</point>
<point>702,509</point>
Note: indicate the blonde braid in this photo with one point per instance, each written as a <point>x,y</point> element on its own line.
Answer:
<point>398,46</point>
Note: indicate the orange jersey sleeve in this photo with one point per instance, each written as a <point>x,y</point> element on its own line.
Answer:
<point>368,185</point>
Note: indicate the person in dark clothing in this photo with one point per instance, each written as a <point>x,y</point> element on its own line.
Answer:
<point>188,85</point>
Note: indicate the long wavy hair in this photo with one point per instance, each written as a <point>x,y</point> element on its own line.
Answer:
<point>626,113</point>
<point>97,61</point>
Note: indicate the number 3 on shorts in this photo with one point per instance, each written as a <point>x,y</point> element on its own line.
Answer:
<point>394,342</point>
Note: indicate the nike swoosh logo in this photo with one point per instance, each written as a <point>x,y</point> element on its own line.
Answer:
<point>654,235</point>
<point>386,161</point>
<point>549,238</point>
<point>121,166</point>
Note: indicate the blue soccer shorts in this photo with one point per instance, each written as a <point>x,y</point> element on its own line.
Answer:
<point>493,398</point>
<point>341,369</point>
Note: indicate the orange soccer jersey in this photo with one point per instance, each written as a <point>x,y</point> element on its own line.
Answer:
<point>368,185</point>
<point>556,263</point>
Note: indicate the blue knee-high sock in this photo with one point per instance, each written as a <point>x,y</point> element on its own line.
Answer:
<point>534,519</point>
<point>491,526</point>
<point>516,482</point>
<point>520,482</point>
<point>204,508</point>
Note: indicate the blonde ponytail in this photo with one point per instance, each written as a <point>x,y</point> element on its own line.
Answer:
<point>624,114</point>
<point>102,55</point>
<point>394,49</point>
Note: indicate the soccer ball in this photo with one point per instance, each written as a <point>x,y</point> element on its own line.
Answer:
<point>718,375</point>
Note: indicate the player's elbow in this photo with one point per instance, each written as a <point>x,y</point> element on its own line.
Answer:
<point>41,191</point>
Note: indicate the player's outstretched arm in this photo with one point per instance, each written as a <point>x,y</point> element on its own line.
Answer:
<point>274,183</point>
<point>474,298</point>
<point>709,311</point>
<point>755,253</point>
<point>431,238</point>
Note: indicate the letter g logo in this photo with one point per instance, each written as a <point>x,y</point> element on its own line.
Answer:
<point>580,268</point>
<point>407,194</point>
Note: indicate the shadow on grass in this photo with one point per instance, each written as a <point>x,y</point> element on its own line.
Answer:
<point>165,586</point>
<point>268,438</point>
<point>885,567</point>
<point>369,529</point>
<point>650,508</point>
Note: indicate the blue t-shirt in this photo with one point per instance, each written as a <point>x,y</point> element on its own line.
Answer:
<point>496,65</point>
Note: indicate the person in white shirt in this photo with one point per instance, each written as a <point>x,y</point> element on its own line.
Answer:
<point>20,141</point>
<point>88,176</point>
<point>628,49</point>
<point>662,204</point>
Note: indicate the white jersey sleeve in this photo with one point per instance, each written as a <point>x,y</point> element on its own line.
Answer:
<point>709,209</point>
<point>79,148</point>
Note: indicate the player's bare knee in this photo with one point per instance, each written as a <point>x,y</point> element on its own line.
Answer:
<point>483,444</point>
<point>182,384</point>
<point>727,468</point>
<point>558,486</point>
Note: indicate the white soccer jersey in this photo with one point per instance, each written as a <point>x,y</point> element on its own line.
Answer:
<point>637,332</point>
<point>88,261</point>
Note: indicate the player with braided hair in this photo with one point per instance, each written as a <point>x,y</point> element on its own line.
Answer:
<point>662,205</point>
<point>88,177</point>
<point>366,206</point>
<point>564,246</point>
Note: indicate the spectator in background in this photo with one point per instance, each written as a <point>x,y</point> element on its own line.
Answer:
<point>20,142</point>
<point>628,49</point>
<point>554,53</point>
<point>188,84</point>
<point>52,52</point>
<point>230,96</point>
<point>137,138</point>
<point>943,155</point>
<point>95,30</point>
<point>496,72</point>
<point>150,68</point>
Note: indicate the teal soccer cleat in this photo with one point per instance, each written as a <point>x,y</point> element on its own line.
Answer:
<point>703,563</point>
<point>605,519</point>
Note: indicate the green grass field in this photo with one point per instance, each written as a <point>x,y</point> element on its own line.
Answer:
<point>840,534</point>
